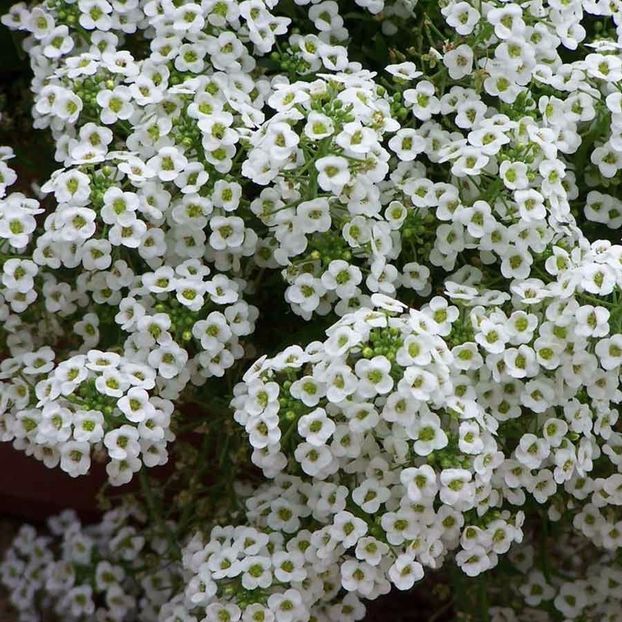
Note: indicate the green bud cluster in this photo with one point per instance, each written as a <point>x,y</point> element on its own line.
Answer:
<point>384,342</point>
<point>65,13</point>
<point>92,399</point>
<point>419,231</point>
<point>398,110</point>
<point>99,185</point>
<point>87,89</point>
<point>461,332</point>
<point>290,61</point>
<point>182,319</point>
<point>449,457</point>
<point>328,104</point>
<point>326,248</point>
<point>291,409</point>
<point>186,132</point>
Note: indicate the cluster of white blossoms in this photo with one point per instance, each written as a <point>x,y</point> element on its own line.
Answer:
<point>87,573</point>
<point>89,403</point>
<point>439,180</point>
<point>413,420</point>
<point>254,574</point>
<point>310,553</point>
<point>588,588</point>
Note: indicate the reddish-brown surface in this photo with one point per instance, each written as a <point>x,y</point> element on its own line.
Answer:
<point>32,492</point>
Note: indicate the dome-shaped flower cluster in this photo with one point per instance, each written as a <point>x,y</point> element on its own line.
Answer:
<point>435,182</point>
<point>93,572</point>
<point>589,587</point>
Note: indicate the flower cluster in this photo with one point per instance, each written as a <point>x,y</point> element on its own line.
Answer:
<point>246,573</point>
<point>87,573</point>
<point>588,587</point>
<point>89,403</point>
<point>439,180</point>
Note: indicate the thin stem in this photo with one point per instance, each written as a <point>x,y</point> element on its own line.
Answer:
<point>439,612</point>
<point>154,512</point>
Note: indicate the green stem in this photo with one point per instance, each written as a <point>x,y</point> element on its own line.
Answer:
<point>154,512</point>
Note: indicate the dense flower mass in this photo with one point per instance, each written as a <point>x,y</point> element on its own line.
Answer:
<point>87,573</point>
<point>407,214</point>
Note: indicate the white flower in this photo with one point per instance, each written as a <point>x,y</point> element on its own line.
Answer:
<point>307,390</point>
<point>420,482</point>
<point>115,104</point>
<point>407,144</point>
<point>592,321</point>
<point>423,101</point>
<point>16,225</point>
<point>404,71</point>
<point>459,61</point>
<point>88,426</point>
<point>287,606</point>
<point>374,376</point>
<point>456,487</point>
<point>334,173</point>
<point>357,576</point>
<point>473,561</point>
<point>316,428</point>
<point>256,572</point>
<point>169,360</point>
<point>428,434</point>
<point>316,461</point>
<point>168,163</point>
<point>348,529</point>
<point>75,458</point>
<point>318,126</point>
<point>405,572</point>
<point>461,16</point>
<point>532,451</point>
<point>122,443</point>
<point>313,216</point>
<point>135,405</point>
<point>418,383</point>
